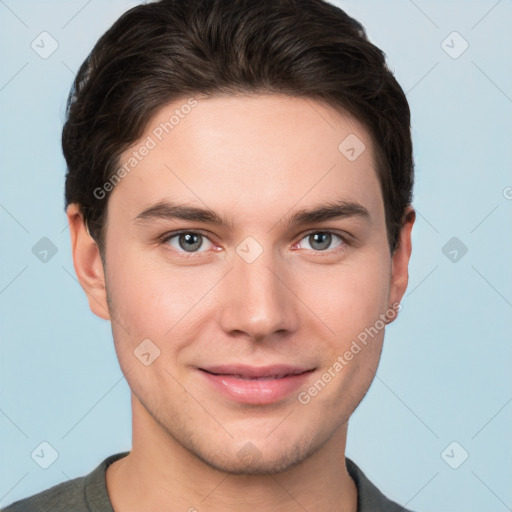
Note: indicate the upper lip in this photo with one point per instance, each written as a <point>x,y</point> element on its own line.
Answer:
<point>255,372</point>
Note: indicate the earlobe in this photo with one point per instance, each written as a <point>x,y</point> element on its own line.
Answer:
<point>401,257</point>
<point>87,262</point>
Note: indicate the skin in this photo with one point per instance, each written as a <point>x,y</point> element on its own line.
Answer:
<point>255,160</point>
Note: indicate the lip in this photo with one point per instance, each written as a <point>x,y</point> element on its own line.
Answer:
<point>256,385</point>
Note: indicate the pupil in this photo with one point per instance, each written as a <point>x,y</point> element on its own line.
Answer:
<point>324,239</point>
<point>190,241</point>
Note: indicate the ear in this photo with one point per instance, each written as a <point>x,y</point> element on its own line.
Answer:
<point>400,259</point>
<point>87,262</point>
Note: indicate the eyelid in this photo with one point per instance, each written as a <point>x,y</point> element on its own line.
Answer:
<point>343,237</point>
<point>171,234</point>
<point>167,236</point>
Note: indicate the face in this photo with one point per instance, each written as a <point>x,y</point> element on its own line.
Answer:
<point>249,277</point>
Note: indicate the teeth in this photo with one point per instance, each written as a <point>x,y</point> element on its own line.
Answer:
<point>265,377</point>
<point>269,377</point>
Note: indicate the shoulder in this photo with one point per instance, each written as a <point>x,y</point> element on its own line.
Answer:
<point>59,498</point>
<point>82,494</point>
<point>369,497</point>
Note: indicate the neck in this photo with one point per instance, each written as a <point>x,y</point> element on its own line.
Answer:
<point>159,472</point>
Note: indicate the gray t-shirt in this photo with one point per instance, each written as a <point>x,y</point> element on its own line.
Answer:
<point>89,494</point>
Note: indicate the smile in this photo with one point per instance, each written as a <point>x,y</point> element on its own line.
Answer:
<point>255,385</point>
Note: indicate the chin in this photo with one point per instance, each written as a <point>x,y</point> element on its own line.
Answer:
<point>249,460</point>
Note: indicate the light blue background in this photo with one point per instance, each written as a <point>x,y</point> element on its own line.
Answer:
<point>445,373</point>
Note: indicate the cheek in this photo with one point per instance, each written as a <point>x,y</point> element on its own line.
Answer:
<point>350,304</point>
<point>349,298</point>
<point>155,300</point>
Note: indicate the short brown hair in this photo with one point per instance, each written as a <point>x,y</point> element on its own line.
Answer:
<point>158,52</point>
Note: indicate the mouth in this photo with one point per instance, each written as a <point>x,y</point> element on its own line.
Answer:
<point>256,385</point>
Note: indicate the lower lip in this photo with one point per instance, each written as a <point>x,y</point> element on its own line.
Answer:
<point>258,392</point>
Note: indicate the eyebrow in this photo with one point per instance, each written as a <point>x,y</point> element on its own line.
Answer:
<point>166,210</point>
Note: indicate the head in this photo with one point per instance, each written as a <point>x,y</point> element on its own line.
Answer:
<point>281,122</point>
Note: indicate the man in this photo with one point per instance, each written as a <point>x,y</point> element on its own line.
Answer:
<point>238,194</point>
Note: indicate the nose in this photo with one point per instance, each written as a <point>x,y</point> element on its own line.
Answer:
<point>258,302</point>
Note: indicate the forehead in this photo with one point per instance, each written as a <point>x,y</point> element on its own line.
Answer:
<point>248,153</point>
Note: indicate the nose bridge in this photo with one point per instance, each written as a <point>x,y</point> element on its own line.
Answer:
<point>257,301</point>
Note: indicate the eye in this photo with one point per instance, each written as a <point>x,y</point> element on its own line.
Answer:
<point>322,240</point>
<point>187,241</point>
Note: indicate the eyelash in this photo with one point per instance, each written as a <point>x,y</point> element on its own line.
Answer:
<point>168,236</point>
